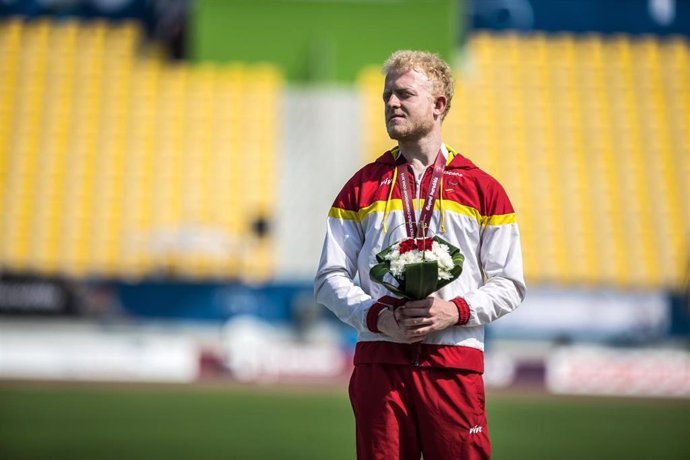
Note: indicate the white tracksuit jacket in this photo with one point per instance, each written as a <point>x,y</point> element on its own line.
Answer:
<point>473,213</point>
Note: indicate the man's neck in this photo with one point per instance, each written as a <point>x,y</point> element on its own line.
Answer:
<point>420,154</point>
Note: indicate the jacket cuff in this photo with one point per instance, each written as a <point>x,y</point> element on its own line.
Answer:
<point>463,311</point>
<point>385,302</point>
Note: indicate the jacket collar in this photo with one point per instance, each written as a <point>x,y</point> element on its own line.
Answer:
<point>453,159</point>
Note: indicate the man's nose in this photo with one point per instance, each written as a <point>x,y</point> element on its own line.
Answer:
<point>393,101</point>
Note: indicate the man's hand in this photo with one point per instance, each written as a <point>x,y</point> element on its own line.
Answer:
<point>388,324</point>
<point>421,317</point>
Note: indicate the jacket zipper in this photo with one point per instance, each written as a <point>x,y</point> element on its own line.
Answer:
<point>416,347</point>
<point>418,186</point>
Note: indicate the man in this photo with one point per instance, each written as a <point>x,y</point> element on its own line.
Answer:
<point>417,385</point>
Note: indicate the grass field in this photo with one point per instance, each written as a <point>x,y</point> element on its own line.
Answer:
<point>160,422</point>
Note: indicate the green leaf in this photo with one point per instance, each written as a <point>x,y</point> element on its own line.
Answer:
<point>377,274</point>
<point>421,279</point>
<point>381,256</point>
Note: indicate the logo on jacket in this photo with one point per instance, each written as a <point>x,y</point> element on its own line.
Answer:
<point>453,173</point>
<point>386,181</point>
<point>476,429</point>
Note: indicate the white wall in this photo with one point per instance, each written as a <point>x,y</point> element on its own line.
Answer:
<point>322,148</point>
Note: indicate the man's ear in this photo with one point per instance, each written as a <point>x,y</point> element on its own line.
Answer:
<point>440,104</point>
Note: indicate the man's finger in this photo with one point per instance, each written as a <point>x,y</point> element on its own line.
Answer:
<point>416,322</point>
<point>414,334</point>
<point>413,312</point>
<point>421,331</point>
<point>420,303</point>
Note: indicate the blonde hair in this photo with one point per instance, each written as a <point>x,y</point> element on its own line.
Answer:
<point>430,64</point>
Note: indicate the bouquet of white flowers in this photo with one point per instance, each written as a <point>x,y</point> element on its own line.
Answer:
<point>419,266</point>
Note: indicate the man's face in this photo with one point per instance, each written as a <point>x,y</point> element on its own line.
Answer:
<point>409,105</point>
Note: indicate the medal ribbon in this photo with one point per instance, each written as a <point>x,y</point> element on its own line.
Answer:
<point>413,230</point>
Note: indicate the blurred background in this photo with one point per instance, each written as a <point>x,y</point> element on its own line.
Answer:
<point>167,166</point>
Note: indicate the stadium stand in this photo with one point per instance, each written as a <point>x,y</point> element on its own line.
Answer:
<point>116,163</point>
<point>590,136</point>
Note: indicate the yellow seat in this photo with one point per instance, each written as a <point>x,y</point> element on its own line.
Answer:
<point>589,135</point>
<point>133,147</point>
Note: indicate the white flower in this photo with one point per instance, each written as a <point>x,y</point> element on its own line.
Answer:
<point>439,252</point>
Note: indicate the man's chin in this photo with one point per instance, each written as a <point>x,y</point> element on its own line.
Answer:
<point>404,136</point>
<point>397,134</point>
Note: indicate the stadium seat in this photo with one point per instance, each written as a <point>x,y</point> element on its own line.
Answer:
<point>120,164</point>
<point>590,136</point>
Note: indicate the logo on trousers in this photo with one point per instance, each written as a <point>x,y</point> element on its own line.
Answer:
<point>475,429</point>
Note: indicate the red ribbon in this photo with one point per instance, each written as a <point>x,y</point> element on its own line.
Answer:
<point>414,230</point>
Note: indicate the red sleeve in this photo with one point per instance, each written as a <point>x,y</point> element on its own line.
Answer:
<point>463,310</point>
<point>381,304</point>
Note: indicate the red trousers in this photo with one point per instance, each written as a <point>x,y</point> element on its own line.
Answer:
<point>402,412</point>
